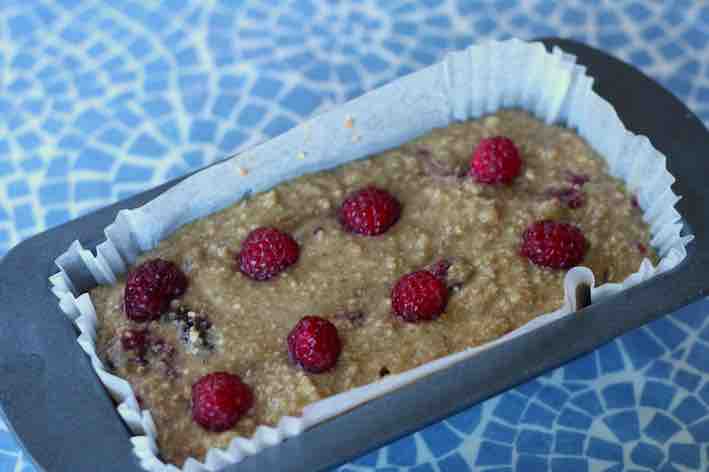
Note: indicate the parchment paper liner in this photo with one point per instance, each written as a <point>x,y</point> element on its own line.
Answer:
<point>467,84</point>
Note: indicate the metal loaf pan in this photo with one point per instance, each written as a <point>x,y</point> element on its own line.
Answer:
<point>66,421</point>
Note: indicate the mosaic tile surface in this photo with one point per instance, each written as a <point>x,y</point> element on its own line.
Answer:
<point>99,100</point>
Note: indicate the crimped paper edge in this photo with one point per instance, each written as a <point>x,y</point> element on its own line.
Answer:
<point>466,76</point>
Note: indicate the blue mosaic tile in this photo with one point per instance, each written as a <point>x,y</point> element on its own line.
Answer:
<point>534,442</point>
<point>657,395</point>
<point>687,455</point>
<point>455,463</point>
<point>498,432</point>
<point>565,464</point>
<point>532,463</point>
<point>402,452</point>
<point>690,410</point>
<point>619,395</point>
<point>661,427</point>
<point>440,439</point>
<point>493,454</point>
<point>604,450</point>
<point>569,442</point>
<point>686,379</point>
<point>466,421</point>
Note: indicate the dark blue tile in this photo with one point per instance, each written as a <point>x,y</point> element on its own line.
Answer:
<point>637,11</point>
<point>657,395</point>
<point>529,463</point>
<point>56,216</point>
<point>538,415</point>
<point>690,410</point>
<point>625,425</point>
<point>571,418</point>
<point>278,125</point>
<point>699,357</point>
<point>568,464</point>
<point>147,146</point>
<point>266,88</point>
<point>552,396</point>
<point>583,368</point>
<point>301,100</point>
<point>694,314</point>
<point>90,120</point>
<point>24,216</point>
<point>569,442</point>
<point>641,347</point>
<point>92,190</point>
<point>496,431</point>
<point>128,172</point>
<point>224,105</point>
<point>604,450</point>
<point>619,395</point>
<point>668,332</point>
<point>157,107</point>
<point>466,421</point>
<point>54,193</point>
<point>534,442</point>
<point>231,141</point>
<point>687,380</point>
<point>610,358</point>
<point>203,131</point>
<point>688,455</point>
<point>659,369</point>
<point>17,188</point>
<point>455,463</point>
<point>493,454</point>
<point>422,468</point>
<point>529,388</point>
<point>699,431</point>
<point>647,455</point>
<point>112,136</point>
<point>402,452</point>
<point>440,439</point>
<point>91,158</point>
<point>662,427</point>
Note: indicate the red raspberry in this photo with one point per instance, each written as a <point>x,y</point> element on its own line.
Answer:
<point>419,296</point>
<point>570,197</point>
<point>134,340</point>
<point>440,268</point>
<point>369,211</point>
<point>551,244</point>
<point>266,252</point>
<point>151,287</point>
<point>495,161</point>
<point>314,344</point>
<point>578,180</point>
<point>219,400</point>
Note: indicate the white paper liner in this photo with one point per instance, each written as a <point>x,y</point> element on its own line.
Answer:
<point>467,84</point>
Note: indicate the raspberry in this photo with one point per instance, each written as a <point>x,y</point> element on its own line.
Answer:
<point>151,287</point>
<point>219,400</point>
<point>419,296</point>
<point>134,340</point>
<point>495,161</point>
<point>578,180</point>
<point>551,244</point>
<point>266,252</point>
<point>570,197</point>
<point>369,211</point>
<point>440,268</point>
<point>314,344</point>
